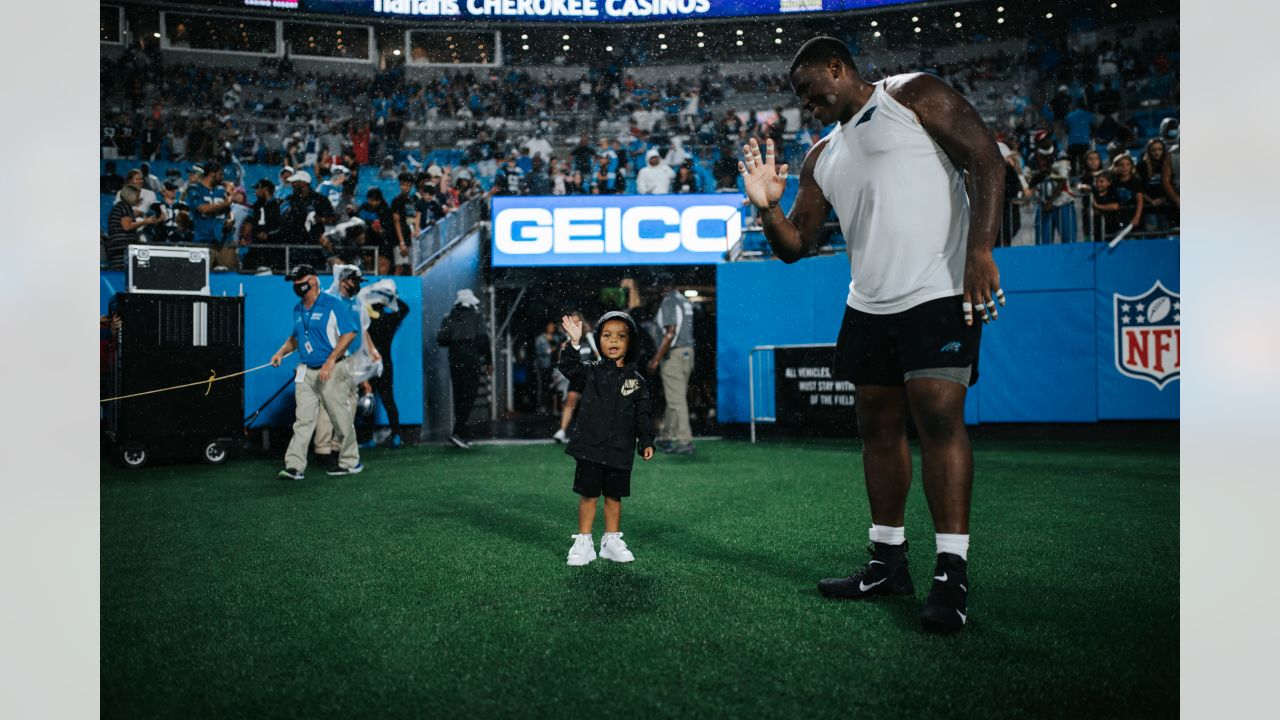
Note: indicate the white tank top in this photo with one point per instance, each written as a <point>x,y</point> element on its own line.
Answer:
<point>901,204</point>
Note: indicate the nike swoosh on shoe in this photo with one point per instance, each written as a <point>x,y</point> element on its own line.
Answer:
<point>940,578</point>
<point>863,587</point>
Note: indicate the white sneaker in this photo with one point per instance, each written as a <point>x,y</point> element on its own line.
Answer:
<point>583,550</point>
<point>613,547</point>
<point>560,437</point>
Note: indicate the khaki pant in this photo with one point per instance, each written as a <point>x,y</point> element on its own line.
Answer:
<point>326,441</point>
<point>676,370</point>
<point>315,398</point>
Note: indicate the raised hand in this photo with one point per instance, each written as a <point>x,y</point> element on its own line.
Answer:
<point>764,181</point>
<point>572,328</point>
<point>981,288</point>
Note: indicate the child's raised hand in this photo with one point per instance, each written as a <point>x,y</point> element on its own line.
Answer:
<point>648,453</point>
<point>572,328</point>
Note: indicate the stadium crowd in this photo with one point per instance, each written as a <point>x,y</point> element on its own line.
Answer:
<point>342,163</point>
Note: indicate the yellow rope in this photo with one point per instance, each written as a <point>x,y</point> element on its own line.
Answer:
<point>213,377</point>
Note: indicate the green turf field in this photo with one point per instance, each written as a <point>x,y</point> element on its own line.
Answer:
<point>434,584</point>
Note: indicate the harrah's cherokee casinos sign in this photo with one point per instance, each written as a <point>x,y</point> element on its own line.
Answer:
<point>1149,335</point>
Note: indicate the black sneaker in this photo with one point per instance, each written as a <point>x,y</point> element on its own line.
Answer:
<point>339,470</point>
<point>459,441</point>
<point>289,474</point>
<point>945,610</point>
<point>885,574</point>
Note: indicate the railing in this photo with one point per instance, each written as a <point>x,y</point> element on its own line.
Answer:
<point>279,258</point>
<point>432,241</point>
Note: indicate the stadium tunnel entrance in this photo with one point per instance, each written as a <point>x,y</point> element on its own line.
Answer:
<point>524,300</point>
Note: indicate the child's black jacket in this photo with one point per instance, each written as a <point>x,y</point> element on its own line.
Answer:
<point>614,418</point>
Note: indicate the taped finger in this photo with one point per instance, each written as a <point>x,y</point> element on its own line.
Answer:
<point>1000,295</point>
<point>968,312</point>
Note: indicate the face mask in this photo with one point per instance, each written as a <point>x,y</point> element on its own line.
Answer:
<point>1172,133</point>
<point>302,289</point>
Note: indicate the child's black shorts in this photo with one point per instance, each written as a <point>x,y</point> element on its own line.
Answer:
<point>593,479</point>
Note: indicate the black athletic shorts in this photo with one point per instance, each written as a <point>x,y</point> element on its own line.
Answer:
<point>929,340</point>
<point>593,479</point>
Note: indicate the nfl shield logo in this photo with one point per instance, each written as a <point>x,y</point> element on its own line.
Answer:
<point>1149,335</point>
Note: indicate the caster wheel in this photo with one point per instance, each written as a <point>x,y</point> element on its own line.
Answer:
<point>215,453</point>
<point>134,456</point>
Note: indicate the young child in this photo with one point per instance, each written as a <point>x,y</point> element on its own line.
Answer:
<point>613,420</point>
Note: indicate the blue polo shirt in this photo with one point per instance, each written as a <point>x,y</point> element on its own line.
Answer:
<point>320,326</point>
<point>205,228</point>
<point>353,306</point>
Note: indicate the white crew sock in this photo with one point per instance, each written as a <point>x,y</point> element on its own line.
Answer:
<point>954,544</point>
<point>888,535</point>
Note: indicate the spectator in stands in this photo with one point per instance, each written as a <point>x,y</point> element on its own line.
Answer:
<point>685,182</point>
<point>1079,123</point>
<point>283,189</point>
<point>145,196</point>
<point>538,146</point>
<point>430,200</point>
<point>332,189</point>
<point>1152,170</point>
<point>1104,215</point>
<point>194,173</point>
<point>380,224</point>
<point>149,181</point>
<point>656,177</point>
<point>604,182</point>
<point>123,227</point>
<point>404,222</point>
<point>467,188</point>
<point>1128,189</point>
<point>266,228</point>
<point>110,182</point>
<point>509,180</point>
<point>583,156</point>
<point>1055,210</point>
<point>1084,189</point>
<point>1016,191</point>
<point>1169,133</point>
<point>210,199</point>
<point>165,209</point>
<point>538,182</point>
<point>725,170</point>
<point>303,216</point>
<point>241,231</point>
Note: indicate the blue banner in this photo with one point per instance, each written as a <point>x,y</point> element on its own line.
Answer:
<point>581,10</point>
<point>615,229</point>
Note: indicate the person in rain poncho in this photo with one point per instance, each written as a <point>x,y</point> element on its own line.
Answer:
<point>363,358</point>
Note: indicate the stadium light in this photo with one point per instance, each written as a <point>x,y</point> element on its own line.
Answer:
<point>915,18</point>
<point>524,37</point>
<point>777,41</point>
<point>662,36</point>
<point>778,30</point>
<point>917,28</point>
<point>959,24</point>
<point>1000,9</point>
<point>877,33</point>
<point>524,47</point>
<point>702,44</point>
<point>691,293</point>
<point>874,23</point>
<point>739,32</point>
<point>999,21</point>
<point>957,13</point>
<point>158,34</point>
<point>396,51</point>
<point>739,42</point>
<point>700,33</point>
<point>663,46</point>
<point>566,48</point>
<point>1048,16</point>
<point>608,48</point>
<point>1113,6</point>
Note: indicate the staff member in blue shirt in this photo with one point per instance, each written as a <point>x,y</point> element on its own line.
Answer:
<point>323,330</point>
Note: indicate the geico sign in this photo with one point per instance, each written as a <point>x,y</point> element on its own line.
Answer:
<point>594,230</point>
